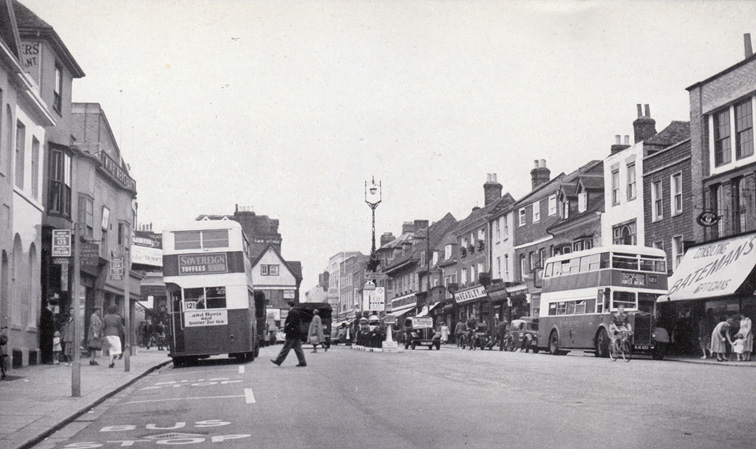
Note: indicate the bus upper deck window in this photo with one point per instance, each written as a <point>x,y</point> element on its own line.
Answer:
<point>187,240</point>
<point>215,238</point>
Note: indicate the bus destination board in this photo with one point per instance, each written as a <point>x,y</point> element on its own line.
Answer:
<point>189,264</point>
<point>635,279</point>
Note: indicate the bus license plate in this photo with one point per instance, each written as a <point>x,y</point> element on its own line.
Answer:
<point>642,347</point>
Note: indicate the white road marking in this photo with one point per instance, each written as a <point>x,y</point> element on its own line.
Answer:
<point>185,399</point>
<point>241,369</point>
<point>249,395</point>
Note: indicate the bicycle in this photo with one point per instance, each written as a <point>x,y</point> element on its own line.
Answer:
<point>620,347</point>
<point>3,342</point>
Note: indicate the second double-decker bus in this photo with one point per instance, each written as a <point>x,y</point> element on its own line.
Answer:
<point>208,278</point>
<point>580,290</point>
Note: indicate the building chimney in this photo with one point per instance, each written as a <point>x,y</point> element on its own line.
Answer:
<point>408,227</point>
<point>387,237</point>
<point>617,147</point>
<point>491,189</point>
<point>748,47</point>
<point>540,174</point>
<point>644,126</point>
<point>421,224</point>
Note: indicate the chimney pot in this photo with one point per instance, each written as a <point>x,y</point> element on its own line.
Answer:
<point>535,163</point>
<point>627,139</point>
<point>618,139</point>
<point>640,110</point>
<point>543,163</point>
<point>748,47</point>
<point>648,111</point>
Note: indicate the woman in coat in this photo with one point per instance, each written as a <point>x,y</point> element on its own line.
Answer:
<point>719,336</point>
<point>315,333</point>
<point>94,342</point>
<point>113,329</point>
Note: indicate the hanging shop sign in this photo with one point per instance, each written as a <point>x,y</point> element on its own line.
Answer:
<point>707,218</point>
<point>61,243</point>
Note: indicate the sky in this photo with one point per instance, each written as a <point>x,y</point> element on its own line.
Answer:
<point>289,107</point>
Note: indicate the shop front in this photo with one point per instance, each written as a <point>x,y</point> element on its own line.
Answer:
<point>470,304</point>
<point>717,276</point>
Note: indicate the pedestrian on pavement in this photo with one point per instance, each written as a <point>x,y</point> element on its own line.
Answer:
<point>113,329</point>
<point>94,337</point>
<point>705,328</point>
<point>150,336</point>
<point>57,348</point>
<point>46,332</point>
<point>502,333</point>
<point>746,334</point>
<point>444,333</point>
<point>719,336</point>
<point>160,331</point>
<point>68,337</point>
<point>315,332</point>
<point>293,338</point>
<point>141,331</point>
<point>459,332</point>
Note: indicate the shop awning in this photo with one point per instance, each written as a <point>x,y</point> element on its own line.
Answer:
<point>427,310</point>
<point>401,311</point>
<point>713,270</point>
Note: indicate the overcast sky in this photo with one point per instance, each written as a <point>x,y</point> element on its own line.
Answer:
<point>291,106</point>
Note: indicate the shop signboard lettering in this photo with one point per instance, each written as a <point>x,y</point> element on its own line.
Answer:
<point>190,264</point>
<point>469,295</point>
<point>61,243</point>
<point>89,255</point>
<point>196,318</point>
<point>712,270</point>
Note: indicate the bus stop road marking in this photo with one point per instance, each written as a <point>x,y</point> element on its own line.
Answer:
<point>186,399</point>
<point>249,395</point>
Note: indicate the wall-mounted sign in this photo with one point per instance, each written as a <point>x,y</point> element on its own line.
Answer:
<point>469,295</point>
<point>89,255</point>
<point>116,269</point>
<point>202,264</point>
<point>205,317</point>
<point>105,218</point>
<point>61,243</point>
<point>707,218</point>
<point>288,294</point>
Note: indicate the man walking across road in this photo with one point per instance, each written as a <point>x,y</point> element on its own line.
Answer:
<point>293,338</point>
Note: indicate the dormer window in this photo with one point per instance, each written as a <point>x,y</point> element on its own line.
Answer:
<point>582,199</point>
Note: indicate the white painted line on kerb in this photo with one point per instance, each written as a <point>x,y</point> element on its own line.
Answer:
<point>241,370</point>
<point>185,399</point>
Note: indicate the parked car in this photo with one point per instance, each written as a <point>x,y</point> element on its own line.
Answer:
<point>523,334</point>
<point>420,332</point>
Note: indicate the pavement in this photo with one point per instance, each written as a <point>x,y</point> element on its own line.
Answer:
<point>35,401</point>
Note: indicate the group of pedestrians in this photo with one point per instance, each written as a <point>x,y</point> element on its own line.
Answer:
<point>149,334</point>
<point>106,333</point>
<point>733,337</point>
<point>293,332</point>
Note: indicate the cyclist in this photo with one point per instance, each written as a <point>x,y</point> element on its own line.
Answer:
<point>619,326</point>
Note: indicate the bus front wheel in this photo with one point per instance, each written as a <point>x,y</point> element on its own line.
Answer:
<point>554,343</point>
<point>602,344</point>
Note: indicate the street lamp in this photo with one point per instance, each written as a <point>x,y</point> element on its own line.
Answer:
<point>373,197</point>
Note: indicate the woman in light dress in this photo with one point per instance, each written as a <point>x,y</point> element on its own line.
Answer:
<point>746,334</point>
<point>719,336</point>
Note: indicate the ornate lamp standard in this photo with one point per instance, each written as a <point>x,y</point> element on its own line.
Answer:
<point>373,197</point>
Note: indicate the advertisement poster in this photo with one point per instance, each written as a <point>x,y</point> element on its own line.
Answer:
<point>206,317</point>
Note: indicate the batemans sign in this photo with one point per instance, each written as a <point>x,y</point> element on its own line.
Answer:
<point>716,269</point>
<point>202,264</point>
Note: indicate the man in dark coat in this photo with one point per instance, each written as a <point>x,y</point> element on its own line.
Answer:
<point>293,338</point>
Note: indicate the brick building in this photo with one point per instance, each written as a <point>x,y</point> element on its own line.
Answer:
<point>718,273</point>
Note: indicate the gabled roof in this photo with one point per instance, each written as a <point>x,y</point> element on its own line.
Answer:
<point>677,131</point>
<point>32,27</point>
<point>547,186</point>
<point>590,176</point>
<point>9,27</point>
<point>437,232</point>
<point>502,203</point>
<point>295,268</point>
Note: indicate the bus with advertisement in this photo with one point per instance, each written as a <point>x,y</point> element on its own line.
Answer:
<point>580,290</point>
<point>211,300</point>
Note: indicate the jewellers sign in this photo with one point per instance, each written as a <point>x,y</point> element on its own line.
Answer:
<point>190,264</point>
<point>470,295</point>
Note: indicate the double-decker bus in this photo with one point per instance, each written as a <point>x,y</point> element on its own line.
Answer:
<point>580,290</point>
<point>208,279</point>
